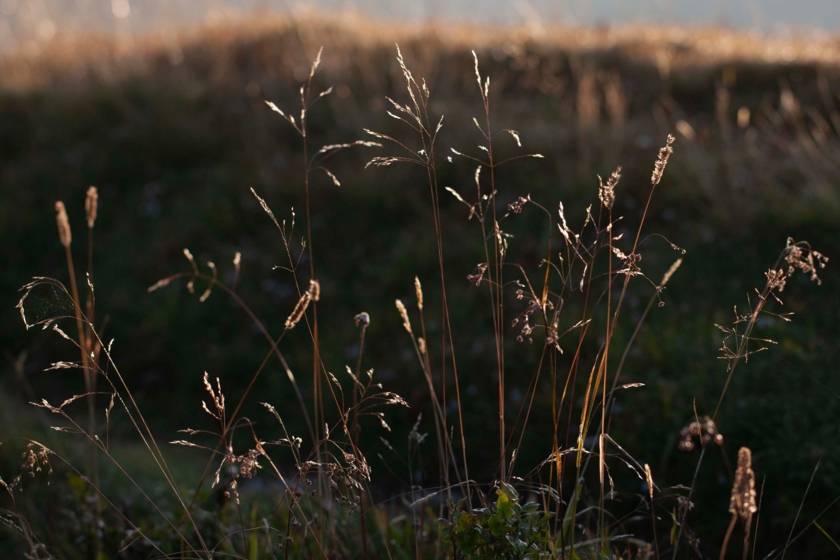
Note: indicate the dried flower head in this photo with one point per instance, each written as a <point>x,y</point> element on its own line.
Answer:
<point>776,279</point>
<point>630,262</point>
<point>91,205</point>
<point>314,290</point>
<point>518,205</point>
<point>232,491</point>
<point>523,323</point>
<point>501,239</point>
<point>742,499</point>
<point>662,160</point>
<point>65,236</point>
<point>704,430</point>
<point>248,464</point>
<point>477,275</point>
<point>310,295</point>
<point>406,323</point>
<point>418,291</point>
<point>800,256</point>
<point>606,191</point>
<point>217,397</point>
<point>649,481</point>
<point>670,272</point>
<point>36,459</point>
<point>362,319</point>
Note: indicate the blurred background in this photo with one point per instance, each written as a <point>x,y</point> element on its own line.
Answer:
<point>26,21</point>
<point>161,105</point>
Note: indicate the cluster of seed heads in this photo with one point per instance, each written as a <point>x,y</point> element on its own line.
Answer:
<point>36,459</point>
<point>606,191</point>
<point>800,256</point>
<point>703,430</point>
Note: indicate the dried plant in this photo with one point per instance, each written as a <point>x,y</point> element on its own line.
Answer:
<point>91,205</point>
<point>742,503</point>
<point>567,305</point>
<point>704,430</point>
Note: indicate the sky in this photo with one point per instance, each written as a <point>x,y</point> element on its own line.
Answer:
<point>25,22</point>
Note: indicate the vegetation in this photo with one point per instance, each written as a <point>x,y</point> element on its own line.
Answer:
<point>547,386</point>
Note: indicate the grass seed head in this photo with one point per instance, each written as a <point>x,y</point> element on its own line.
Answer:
<point>418,290</point>
<point>406,323</point>
<point>606,191</point>
<point>742,499</point>
<point>300,309</point>
<point>662,160</point>
<point>65,236</point>
<point>91,205</point>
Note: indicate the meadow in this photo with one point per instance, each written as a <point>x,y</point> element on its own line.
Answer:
<point>318,289</point>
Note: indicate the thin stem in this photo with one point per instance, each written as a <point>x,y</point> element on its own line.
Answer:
<point>725,546</point>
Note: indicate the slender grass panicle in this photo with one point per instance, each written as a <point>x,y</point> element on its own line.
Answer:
<point>675,266</point>
<point>606,191</point>
<point>406,322</point>
<point>662,160</point>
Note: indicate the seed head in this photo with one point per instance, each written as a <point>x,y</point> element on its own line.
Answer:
<point>418,290</point>
<point>36,459</point>
<point>662,160</point>
<point>704,429</point>
<point>403,315</point>
<point>606,191</point>
<point>776,279</point>
<point>670,272</point>
<point>800,256</point>
<point>91,204</point>
<point>742,499</point>
<point>315,290</point>
<point>300,309</point>
<point>649,481</point>
<point>64,234</point>
<point>362,319</point>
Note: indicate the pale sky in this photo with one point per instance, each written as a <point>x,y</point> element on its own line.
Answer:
<point>27,21</point>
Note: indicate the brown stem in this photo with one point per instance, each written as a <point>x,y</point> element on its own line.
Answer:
<point>727,536</point>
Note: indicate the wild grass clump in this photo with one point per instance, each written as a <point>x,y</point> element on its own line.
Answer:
<point>314,494</point>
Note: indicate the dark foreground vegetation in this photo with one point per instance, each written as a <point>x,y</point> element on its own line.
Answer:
<point>585,360</point>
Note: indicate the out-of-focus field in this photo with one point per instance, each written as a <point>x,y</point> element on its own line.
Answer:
<point>174,130</point>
